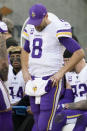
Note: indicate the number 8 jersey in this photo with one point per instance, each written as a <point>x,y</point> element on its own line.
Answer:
<point>78,83</point>
<point>46,53</point>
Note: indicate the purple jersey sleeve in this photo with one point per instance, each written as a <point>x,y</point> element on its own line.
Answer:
<point>26,46</point>
<point>70,44</point>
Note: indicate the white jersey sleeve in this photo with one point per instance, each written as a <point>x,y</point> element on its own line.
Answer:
<point>27,31</point>
<point>63,29</point>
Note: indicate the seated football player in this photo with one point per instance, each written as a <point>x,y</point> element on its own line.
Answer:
<point>16,87</point>
<point>75,94</point>
<point>16,84</point>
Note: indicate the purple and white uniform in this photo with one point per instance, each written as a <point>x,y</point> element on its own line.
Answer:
<point>15,85</point>
<point>45,59</point>
<point>78,83</point>
<point>5,116</point>
<point>46,52</point>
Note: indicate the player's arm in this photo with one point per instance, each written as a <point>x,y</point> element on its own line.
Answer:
<point>6,110</point>
<point>73,47</point>
<point>24,61</point>
<point>78,54</point>
<point>81,105</point>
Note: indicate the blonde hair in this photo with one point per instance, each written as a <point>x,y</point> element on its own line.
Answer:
<point>13,49</point>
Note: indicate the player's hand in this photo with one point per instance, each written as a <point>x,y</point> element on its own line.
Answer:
<point>72,106</point>
<point>56,77</point>
<point>29,110</point>
<point>66,106</point>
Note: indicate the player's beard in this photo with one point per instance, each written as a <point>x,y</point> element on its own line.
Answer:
<point>16,69</point>
<point>40,28</point>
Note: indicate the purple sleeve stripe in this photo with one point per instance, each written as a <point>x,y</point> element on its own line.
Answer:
<point>26,46</point>
<point>25,30</point>
<point>3,31</point>
<point>70,44</point>
<point>67,30</point>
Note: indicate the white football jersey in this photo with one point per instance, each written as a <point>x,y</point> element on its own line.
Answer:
<point>15,85</point>
<point>78,83</point>
<point>46,53</point>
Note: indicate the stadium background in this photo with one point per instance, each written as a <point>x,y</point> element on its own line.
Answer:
<point>73,11</point>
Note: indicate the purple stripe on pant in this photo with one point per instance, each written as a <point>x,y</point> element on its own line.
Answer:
<point>66,113</point>
<point>42,112</point>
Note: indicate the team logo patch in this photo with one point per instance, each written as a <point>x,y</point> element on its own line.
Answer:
<point>33,14</point>
<point>35,89</point>
<point>31,31</point>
